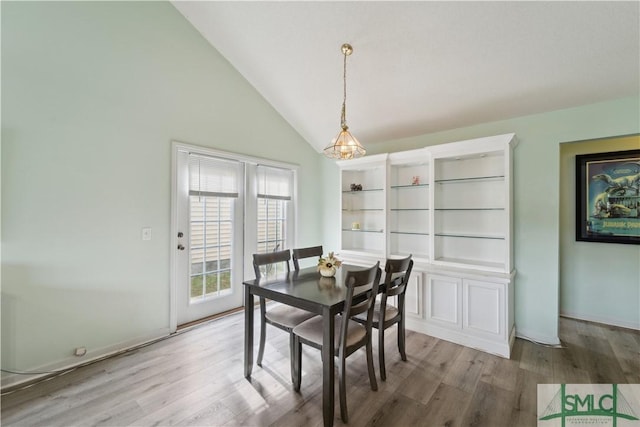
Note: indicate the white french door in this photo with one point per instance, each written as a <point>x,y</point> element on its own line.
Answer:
<point>209,235</point>
<point>224,208</point>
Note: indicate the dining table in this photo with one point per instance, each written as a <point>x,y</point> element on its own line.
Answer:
<point>308,290</point>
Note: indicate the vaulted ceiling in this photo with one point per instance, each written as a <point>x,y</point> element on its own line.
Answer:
<point>422,67</point>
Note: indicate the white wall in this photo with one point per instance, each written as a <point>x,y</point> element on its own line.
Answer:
<point>537,204</point>
<point>598,281</point>
<point>92,95</point>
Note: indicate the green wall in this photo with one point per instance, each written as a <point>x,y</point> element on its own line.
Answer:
<point>537,183</point>
<point>93,93</point>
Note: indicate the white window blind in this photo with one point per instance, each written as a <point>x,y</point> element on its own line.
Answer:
<point>274,183</point>
<point>212,177</point>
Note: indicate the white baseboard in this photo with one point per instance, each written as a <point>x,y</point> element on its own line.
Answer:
<point>499,348</point>
<point>603,320</point>
<point>91,356</point>
<point>538,338</point>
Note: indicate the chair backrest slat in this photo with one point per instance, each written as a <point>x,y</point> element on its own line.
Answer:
<point>353,281</point>
<point>270,258</point>
<point>300,253</point>
<point>397,272</point>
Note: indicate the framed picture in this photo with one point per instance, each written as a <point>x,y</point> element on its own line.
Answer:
<point>608,197</point>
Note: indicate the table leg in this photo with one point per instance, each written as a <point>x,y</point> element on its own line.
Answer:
<point>248,332</point>
<point>328,322</point>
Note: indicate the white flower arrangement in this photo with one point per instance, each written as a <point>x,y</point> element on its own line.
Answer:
<point>329,262</point>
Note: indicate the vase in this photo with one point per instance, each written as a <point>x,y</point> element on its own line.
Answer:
<point>327,271</point>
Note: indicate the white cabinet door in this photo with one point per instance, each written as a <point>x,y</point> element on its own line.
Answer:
<point>443,300</point>
<point>413,296</point>
<point>469,311</point>
<point>483,308</point>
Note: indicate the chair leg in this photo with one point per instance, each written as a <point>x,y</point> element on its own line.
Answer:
<point>343,391</point>
<point>401,340</point>
<point>383,371</point>
<point>263,331</point>
<point>296,355</point>
<point>372,372</point>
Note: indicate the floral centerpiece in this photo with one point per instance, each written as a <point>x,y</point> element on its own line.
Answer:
<point>327,265</point>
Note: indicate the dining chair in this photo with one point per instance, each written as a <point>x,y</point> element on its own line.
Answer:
<point>300,253</point>
<point>397,272</point>
<point>279,315</point>
<point>349,335</point>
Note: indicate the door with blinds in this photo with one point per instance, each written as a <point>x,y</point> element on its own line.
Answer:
<point>210,212</point>
<point>274,213</point>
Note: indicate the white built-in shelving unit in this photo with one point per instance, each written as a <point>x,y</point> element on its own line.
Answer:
<point>409,205</point>
<point>449,206</point>
<point>364,210</point>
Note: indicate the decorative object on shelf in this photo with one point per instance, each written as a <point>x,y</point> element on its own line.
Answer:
<point>608,197</point>
<point>355,226</point>
<point>344,146</point>
<point>328,266</point>
<point>415,180</point>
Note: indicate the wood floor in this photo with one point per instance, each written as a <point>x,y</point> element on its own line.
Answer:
<point>196,379</point>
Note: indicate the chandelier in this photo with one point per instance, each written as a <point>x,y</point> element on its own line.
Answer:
<point>344,146</point>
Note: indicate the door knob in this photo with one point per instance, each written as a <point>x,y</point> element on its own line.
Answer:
<point>180,247</point>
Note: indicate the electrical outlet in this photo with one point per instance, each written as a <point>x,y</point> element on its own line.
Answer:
<point>80,351</point>
<point>146,233</point>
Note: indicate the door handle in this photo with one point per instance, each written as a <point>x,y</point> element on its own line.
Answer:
<point>181,247</point>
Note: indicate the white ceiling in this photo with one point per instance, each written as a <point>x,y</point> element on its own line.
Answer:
<point>422,67</point>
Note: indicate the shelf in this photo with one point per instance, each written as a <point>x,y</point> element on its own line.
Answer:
<point>412,165</point>
<point>396,187</point>
<point>363,210</point>
<point>413,233</point>
<point>408,209</point>
<point>414,255</point>
<point>366,190</point>
<point>471,236</point>
<point>469,209</point>
<point>363,231</point>
<point>472,262</point>
<point>471,179</point>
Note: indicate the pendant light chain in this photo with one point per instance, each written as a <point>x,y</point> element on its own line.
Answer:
<point>343,120</point>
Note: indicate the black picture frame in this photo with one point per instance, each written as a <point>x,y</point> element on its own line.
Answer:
<point>608,197</point>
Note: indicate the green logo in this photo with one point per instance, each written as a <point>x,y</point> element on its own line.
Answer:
<point>585,405</point>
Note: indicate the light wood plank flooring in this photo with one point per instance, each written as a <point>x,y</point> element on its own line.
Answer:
<point>195,379</point>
